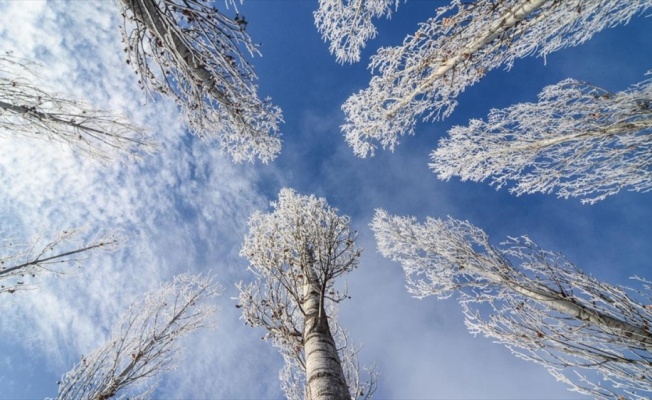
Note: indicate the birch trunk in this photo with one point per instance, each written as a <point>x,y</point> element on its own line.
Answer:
<point>569,306</point>
<point>517,14</point>
<point>324,374</point>
<point>147,12</point>
<point>190,51</point>
<point>296,253</point>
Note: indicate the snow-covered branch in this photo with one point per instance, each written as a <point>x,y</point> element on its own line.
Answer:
<point>21,264</point>
<point>190,51</point>
<point>347,24</point>
<point>534,301</point>
<point>578,140</point>
<point>27,108</point>
<point>144,342</point>
<point>455,49</point>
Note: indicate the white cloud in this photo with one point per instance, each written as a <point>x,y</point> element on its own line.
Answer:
<point>182,209</point>
<point>185,208</point>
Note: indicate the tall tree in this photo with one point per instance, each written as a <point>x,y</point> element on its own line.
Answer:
<point>347,24</point>
<point>455,49</point>
<point>296,252</point>
<point>22,264</point>
<point>578,140</point>
<point>144,342</point>
<point>536,302</point>
<point>190,51</point>
<point>27,108</point>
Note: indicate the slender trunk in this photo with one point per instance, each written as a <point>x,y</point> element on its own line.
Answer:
<point>148,13</point>
<point>567,305</point>
<point>514,16</point>
<point>611,130</point>
<point>324,375</point>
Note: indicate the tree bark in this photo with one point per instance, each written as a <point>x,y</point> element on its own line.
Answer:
<point>508,21</point>
<point>324,375</point>
<point>147,12</point>
<point>571,307</point>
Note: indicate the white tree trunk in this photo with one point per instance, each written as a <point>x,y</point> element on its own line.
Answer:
<point>296,253</point>
<point>190,51</point>
<point>148,14</point>
<point>513,17</point>
<point>324,373</point>
<point>569,306</point>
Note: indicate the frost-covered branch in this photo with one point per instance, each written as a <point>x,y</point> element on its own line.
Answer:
<point>347,24</point>
<point>28,109</point>
<point>21,264</point>
<point>296,252</point>
<point>190,51</point>
<point>145,341</point>
<point>536,302</point>
<point>578,140</point>
<point>455,49</point>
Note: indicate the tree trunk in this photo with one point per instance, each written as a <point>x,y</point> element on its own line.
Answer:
<point>147,12</point>
<point>324,375</point>
<point>501,25</point>
<point>570,307</point>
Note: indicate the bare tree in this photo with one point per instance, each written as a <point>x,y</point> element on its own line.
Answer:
<point>144,342</point>
<point>27,108</point>
<point>455,49</point>
<point>578,140</point>
<point>21,264</point>
<point>347,24</point>
<point>296,252</point>
<point>190,51</point>
<point>537,303</point>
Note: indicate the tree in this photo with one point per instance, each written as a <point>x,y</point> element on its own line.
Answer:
<point>144,342</point>
<point>188,50</point>
<point>22,263</point>
<point>27,108</point>
<point>296,252</point>
<point>578,140</point>
<point>347,25</point>
<point>455,49</point>
<point>537,303</point>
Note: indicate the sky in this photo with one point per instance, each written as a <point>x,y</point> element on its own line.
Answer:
<point>185,208</point>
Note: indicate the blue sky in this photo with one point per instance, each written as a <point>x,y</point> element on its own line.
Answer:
<point>186,207</point>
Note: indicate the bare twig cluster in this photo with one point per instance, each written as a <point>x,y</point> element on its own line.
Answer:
<point>578,140</point>
<point>347,24</point>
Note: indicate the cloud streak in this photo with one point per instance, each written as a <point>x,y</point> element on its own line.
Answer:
<point>180,208</point>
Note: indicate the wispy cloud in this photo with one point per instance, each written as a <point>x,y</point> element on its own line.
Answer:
<point>181,209</point>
